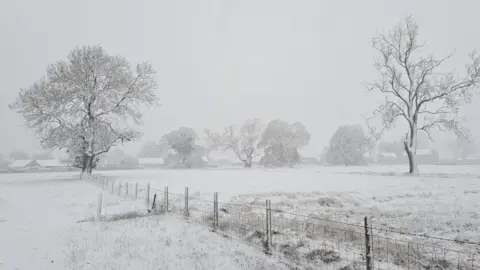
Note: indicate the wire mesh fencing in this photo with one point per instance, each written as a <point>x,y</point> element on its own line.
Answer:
<point>394,249</point>
<point>305,242</point>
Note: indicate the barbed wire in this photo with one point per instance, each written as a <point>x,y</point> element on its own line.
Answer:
<point>246,224</point>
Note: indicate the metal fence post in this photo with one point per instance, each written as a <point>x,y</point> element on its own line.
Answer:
<point>186,201</point>
<point>166,199</point>
<point>136,190</point>
<point>119,188</point>
<point>147,197</point>
<point>368,246</point>
<point>113,185</point>
<point>126,189</point>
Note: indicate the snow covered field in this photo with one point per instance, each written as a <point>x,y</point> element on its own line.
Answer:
<point>39,211</point>
<point>41,228</point>
<point>442,201</point>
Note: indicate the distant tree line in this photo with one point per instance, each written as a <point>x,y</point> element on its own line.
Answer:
<point>91,102</point>
<point>276,144</point>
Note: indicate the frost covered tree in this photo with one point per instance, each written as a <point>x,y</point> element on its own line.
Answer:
<point>183,148</point>
<point>281,141</point>
<point>242,141</point>
<point>415,88</point>
<point>348,146</point>
<point>87,103</point>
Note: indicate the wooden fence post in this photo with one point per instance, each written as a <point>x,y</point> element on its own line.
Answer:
<point>268,225</point>
<point>136,190</point>
<point>154,204</point>
<point>216,225</point>
<point>113,186</point>
<point>368,246</point>
<point>166,199</point>
<point>99,206</point>
<point>119,188</point>
<point>147,197</point>
<point>215,210</point>
<point>270,231</point>
<point>186,202</point>
<point>126,189</point>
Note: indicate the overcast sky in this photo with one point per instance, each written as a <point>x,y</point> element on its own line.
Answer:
<point>221,62</point>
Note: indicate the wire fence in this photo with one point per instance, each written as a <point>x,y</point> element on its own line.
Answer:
<point>305,242</point>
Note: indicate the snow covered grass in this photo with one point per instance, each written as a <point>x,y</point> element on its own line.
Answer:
<point>442,201</point>
<point>48,222</point>
<point>444,206</point>
<point>159,242</point>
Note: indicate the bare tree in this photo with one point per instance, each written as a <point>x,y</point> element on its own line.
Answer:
<point>415,90</point>
<point>88,103</point>
<point>243,142</point>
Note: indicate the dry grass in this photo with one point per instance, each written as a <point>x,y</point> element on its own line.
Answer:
<point>130,241</point>
<point>248,223</point>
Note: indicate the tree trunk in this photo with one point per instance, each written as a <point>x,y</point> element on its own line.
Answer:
<point>247,163</point>
<point>412,166</point>
<point>88,164</point>
<point>409,146</point>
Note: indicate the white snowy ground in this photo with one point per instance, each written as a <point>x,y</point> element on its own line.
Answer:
<point>41,210</point>
<point>40,229</point>
<point>441,201</point>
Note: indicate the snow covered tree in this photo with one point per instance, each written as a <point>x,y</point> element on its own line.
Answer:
<point>415,88</point>
<point>243,141</point>
<point>88,103</point>
<point>348,146</point>
<point>183,149</point>
<point>281,142</point>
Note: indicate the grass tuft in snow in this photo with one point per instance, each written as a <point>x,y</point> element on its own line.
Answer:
<point>354,266</point>
<point>290,252</point>
<point>125,216</point>
<point>326,256</point>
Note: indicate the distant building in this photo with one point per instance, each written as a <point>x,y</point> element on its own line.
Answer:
<point>151,162</point>
<point>473,157</point>
<point>51,164</point>
<point>24,164</point>
<point>387,157</point>
<point>310,160</point>
<point>424,155</point>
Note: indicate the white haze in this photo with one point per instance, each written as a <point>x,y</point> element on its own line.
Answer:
<point>222,62</point>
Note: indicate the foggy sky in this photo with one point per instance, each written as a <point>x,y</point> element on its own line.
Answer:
<point>221,62</point>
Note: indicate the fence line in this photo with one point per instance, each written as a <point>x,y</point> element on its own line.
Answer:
<point>304,241</point>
